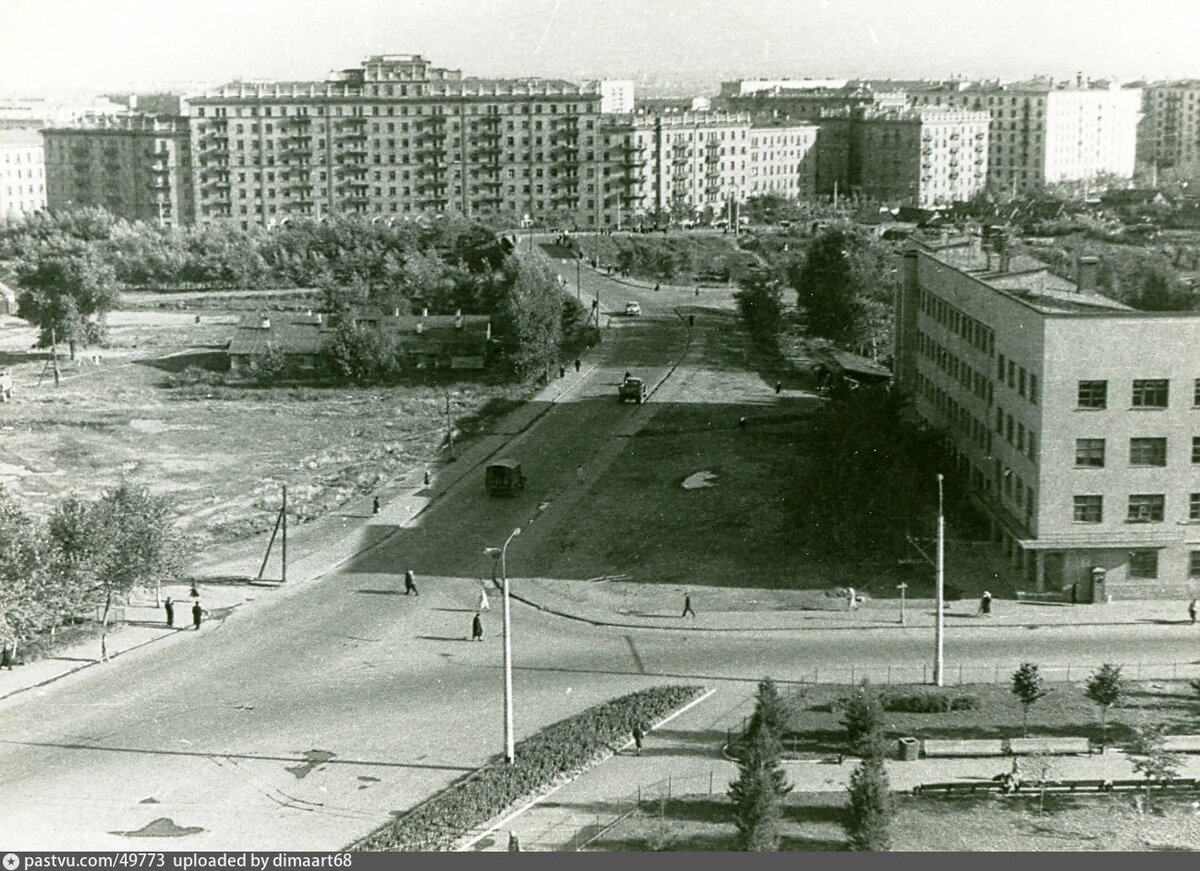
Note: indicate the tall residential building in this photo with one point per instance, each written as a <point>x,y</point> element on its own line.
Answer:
<point>135,166</point>
<point>1043,134</point>
<point>22,174</point>
<point>918,157</point>
<point>1072,417</point>
<point>616,97</point>
<point>1169,133</point>
<point>397,136</point>
<point>783,160</point>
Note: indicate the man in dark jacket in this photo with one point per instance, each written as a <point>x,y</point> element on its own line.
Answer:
<point>410,584</point>
<point>169,606</point>
<point>477,628</point>
<point>639,735</point>
<point>197,614</point>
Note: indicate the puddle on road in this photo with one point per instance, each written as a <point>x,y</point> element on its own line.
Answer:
<point>161,828</point>
<point>315,759</point>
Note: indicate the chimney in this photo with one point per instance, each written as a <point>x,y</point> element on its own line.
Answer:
<point>1086,269</point>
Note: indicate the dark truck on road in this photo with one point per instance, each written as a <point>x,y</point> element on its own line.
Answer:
<point>632,388</point>
<point>504,478</point>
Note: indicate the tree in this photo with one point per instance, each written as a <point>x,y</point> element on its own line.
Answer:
<point>122,542</point>
<point>23,610</point>
<point>869,816</point>
<point>1041,765</point>
<point>863,719</point>
<point>1104,688</point>
<point>760,303</point>
<point>1028,687</point>
<point>530,318</point>
<point>845,284</point>
<point>761,783</point>
<point>1152,760</point>
<point>66,292</point>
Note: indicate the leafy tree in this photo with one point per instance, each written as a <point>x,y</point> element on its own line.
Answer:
<point>760,304</point>
<point>1028,687</point>
<point>761,783</point>
<point>845,285</point>
<point>1104,688</point>
<point>66,292</point>
<point>871,808</point>
<point>863,719</point>
<point>362,353</point>
<point>1152,760</point>
<point>23,610</point>
<point>530,319</point>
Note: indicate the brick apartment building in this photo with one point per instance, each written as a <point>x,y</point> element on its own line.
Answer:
<point>1075,419</point>
<point>1169,132</point>
<point>22,174</point>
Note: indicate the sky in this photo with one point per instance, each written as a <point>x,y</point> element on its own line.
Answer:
<point>48,47</point>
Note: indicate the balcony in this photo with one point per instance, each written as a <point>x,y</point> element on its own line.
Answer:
<point>355,120</point>
<point>354,151</point>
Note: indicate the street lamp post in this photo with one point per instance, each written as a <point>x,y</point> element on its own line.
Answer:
<point>501,553</point>
<point>939,661</point>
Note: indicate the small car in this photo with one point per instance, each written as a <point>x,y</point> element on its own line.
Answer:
<point>632,388</point>
<point>633,309</point>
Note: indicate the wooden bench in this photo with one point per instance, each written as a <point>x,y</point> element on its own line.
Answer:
<point>1043,598</point>
<point>1182,743</point>
<point>1052,746</point>
<point>964,787</point>
<point>932,748</point>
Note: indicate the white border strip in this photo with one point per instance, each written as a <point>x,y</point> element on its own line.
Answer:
<point>536,801</point>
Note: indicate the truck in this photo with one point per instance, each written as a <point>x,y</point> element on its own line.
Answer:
<point>632,388</point>
<point>504,478</point>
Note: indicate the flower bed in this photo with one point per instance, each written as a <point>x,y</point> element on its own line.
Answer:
<point>561,749</point>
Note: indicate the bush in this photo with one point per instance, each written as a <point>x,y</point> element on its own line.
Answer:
<point>559,749</point>
<point>928,703</point>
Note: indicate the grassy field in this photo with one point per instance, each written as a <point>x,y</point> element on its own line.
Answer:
<point>220,453</point>
<point>815,727</point>
<point>813,821</point>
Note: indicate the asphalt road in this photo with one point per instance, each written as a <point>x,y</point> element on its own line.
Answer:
<point>313,715</point>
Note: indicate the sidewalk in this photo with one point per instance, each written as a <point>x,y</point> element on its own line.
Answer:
<point>684,758</point>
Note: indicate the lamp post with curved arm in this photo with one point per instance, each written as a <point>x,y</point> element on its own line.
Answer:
<point>501,553</point>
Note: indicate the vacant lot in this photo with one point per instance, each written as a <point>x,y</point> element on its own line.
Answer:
<point>815,727</point>
<point>221,453</point>
<point>813,821</point>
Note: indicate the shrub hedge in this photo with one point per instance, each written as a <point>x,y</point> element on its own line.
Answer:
<point>929,703</point>
<point>562,748</point>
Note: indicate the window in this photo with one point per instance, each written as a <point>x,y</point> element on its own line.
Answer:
<point>1147,452</point>
<point>1089,509</point>
<point>1143,564</point>
<point>1089,453</point>
<point>1146,508</point>
<point>1150,393</point>
<point>1196,392</point>
<point>1093,394</point>
<point>1194,506</point>
<point>1194,565</point>
<point>1196,449</point>
<point>1033,388</point>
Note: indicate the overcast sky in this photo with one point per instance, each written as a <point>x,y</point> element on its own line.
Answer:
<point>47,46</point>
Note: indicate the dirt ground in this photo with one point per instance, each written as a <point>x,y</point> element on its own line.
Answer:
<point>222,454</point>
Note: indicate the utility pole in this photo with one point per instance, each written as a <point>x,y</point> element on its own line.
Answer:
<point>449,426</point>
<point>283,574</point>
<point>902,587</point>
<point>939,662</point>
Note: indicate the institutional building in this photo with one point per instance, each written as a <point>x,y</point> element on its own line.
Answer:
<point>22,174</point>
<point>1043,134</point>
<point>1075,419</point>
<point>1169,133</point>
<point>135,166</point>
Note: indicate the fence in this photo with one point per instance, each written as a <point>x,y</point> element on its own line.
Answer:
<point>954,675</point>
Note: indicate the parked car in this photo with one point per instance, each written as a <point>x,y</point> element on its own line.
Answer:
<point>633,309</point>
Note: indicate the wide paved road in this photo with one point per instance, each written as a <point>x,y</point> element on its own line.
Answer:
<point>313,715</point>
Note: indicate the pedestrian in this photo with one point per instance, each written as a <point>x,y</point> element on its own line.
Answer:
<point>639,735</point>
<point>985,604</point>
<point>778,387</point>
<point>657,287</point>
<point>484,604</point>
<point>562,371</point>
<point>5,658</point>
<point>697,291</point>
<point>628,374</point>
<point>851,599</point>
<point>410,584</point>
<point>576,364</point>
<point>1192,610</point>
<point>375,506</point>
<point>477,628</point>
<point>687,606</point>
<point>169,607</point>
<point>197,615</point>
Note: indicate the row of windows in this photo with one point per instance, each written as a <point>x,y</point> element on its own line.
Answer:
<point>959,417</point>
<point>1014,432</point>
<point>959,370</point>
<point>359,111</point>
<point>1142,508</point>
<point>968,328</point>
<point>1025,383</point>
<point>1150,451</point>
<point>1143,564</point>
<point>1146,393</point>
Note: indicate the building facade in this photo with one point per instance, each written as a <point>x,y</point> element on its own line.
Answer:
<point>137,167</point>
<point>919,157</point>
<point>616,97</point>
<point>1043,134</point>
<point>783,160</point>
<point>1073,418</point>
<point>1169,132</point>
<point>22,174</point>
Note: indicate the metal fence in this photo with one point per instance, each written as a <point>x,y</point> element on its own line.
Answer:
<point>954,675</point>
<point>649,798</point>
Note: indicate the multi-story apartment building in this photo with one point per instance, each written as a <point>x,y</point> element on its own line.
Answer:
<point>616,97</point>
<point>1169,132</point>
<point>135,166</point>
<point>397,136</point>
<point>1044,134</point>
<point>919,157</point>
<point>22,174</point>
<point>783,160</point>
<point>1075,419</point>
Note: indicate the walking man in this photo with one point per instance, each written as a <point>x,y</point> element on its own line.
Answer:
<point>687,606</point>
<point>639,735</point>
<point>851,599</point>
<point>1192,610</point>
<point>197,615</point>
<point>5,657</point>
<point>985,604</point>
<point>576,364</point>
<point>169,606</point>
<point>410,584</point>
<point>477,628</point>
<point>484,605</point>
<point>375,506</point>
